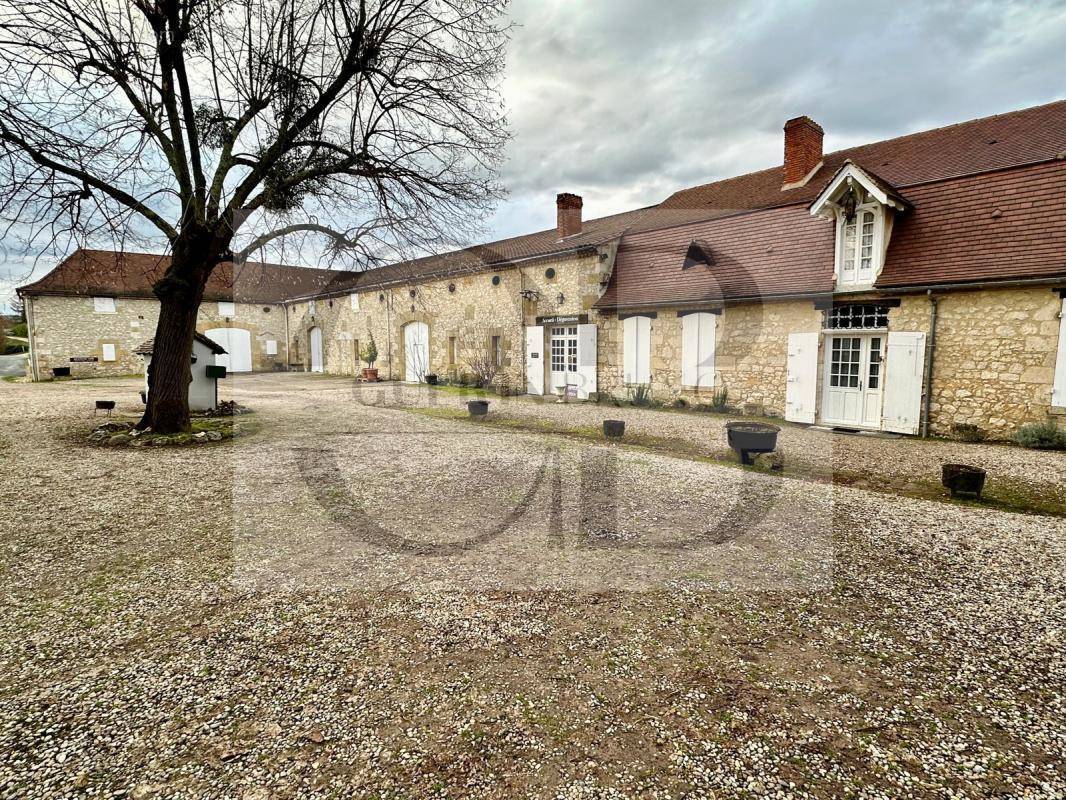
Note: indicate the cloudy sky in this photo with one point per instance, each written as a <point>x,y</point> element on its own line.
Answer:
<point>625,101</point>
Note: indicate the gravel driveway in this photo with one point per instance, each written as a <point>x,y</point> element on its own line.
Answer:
<point>362,602</point>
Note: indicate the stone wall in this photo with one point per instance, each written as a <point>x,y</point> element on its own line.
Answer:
<point>751,353</point>
<point>462,314</point>
<point>993,366</point>
<point>66,328</point>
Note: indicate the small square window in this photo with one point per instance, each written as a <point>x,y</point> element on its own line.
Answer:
<point>355,301</point>
<point>271,347</point>
<point>310,306</point>
<point>104,305</point>
<point>227,309</point>
<point>108,352</point>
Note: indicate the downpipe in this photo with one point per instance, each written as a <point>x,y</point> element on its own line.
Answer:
<point>930,349</point>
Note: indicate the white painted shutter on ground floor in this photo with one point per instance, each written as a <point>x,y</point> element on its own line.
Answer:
<point>904,372</point>
<point>535,359</point>
<point>697,350</point>
<point>1058,392</point>
<point>586,360</point>
<point>801,379</point>
<point>636,350</point>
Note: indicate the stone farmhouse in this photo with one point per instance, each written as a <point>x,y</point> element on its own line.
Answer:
<point>911,285</point>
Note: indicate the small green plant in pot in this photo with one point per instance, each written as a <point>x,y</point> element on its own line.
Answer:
<point>370,356</point>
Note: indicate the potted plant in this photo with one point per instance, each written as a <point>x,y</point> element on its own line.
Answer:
<point>751,437</point>
<point>370,356</point>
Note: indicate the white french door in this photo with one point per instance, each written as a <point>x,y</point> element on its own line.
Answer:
<point>563,353</point>
<point>854,380</point>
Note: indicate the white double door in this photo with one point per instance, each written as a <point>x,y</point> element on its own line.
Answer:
<point>562,350</point>
<point>854,380</point>
<point>237,342</point>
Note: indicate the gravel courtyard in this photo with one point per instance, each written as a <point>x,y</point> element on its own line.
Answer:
<point>362,601</point>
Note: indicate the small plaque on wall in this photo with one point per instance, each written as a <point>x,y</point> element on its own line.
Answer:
<point>564,319</point>
<point>83,359</point>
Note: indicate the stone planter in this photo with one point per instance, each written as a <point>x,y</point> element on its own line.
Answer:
<point>370,374</point>
<point>751,438</point>
<point>478,408</point>
<point>963,480</point>
<point>614,428</point>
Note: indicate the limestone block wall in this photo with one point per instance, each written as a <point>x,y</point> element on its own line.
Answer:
<point>66,328</point>
<point>751,353</point>
<point>993,367</point>
<point>994,364</point>
<point>462,314</point>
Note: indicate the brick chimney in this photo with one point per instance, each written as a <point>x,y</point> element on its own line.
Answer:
<point>803,149</point>
<point>568,214</point>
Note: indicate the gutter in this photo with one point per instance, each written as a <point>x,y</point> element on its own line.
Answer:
<point>930,352</point>
<point>963,286</point>
<point>35,371</point>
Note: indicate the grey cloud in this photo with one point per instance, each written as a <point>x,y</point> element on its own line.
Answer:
<point>626,101</point>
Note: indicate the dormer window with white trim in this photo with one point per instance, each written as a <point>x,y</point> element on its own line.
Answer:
<point>864,208</point>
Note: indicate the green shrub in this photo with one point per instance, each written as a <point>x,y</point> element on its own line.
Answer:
<point>370,352</point>
<point>1041,436</point>
<point>19,329</point>
<point>642,395</point>
<point>720,398</point>
<point>965,432</point>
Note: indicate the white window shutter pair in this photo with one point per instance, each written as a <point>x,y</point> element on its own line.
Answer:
<point>697,350</point>
<point>109,352</point>
<point>636,350</point>
<point>535,359</point>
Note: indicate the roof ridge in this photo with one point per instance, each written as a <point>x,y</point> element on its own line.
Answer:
<point>845,150</point>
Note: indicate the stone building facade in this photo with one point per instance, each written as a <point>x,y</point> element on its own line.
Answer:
<point>69,331</point>
<point>912,286</point>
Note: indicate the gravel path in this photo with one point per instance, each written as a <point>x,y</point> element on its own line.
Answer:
<point>360,602</point>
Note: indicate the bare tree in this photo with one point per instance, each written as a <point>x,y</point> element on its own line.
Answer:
<point>227,126</point>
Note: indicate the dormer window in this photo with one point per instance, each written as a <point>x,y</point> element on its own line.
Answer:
<point>858,261</point>
<point>863,207</point>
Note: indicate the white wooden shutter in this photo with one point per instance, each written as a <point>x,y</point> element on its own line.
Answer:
<point>1058,392</point>
<point>801,387</point>
<point>227,309</point>
<point>108,352</point>
<point>629,350</point>
<point>697,350</point>
<point>904,365</point>
<point>586,360</point>
<point>104,305</point>
<point>636,350</point>
<point>690,349</point>
<point>535,359</point>
<point>271,347</point>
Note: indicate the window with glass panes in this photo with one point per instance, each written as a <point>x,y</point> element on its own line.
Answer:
<point>857,316</point>
<point>844,362</point>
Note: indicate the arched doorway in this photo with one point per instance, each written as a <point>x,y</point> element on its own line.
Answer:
<point>316,349</point>
<point>415,351</point>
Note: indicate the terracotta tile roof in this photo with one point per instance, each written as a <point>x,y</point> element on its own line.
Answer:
<point>999,226</point>
<point>148,347</point>
<point>991,143</point>
<point>544,243</point>
<point>778,251</point>
<point>1004,220</point>
<point>105,272</point>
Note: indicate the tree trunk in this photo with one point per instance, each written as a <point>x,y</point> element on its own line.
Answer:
<point>170,370</point>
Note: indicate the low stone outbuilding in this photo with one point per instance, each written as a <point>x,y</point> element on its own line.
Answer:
<point>203,389</point>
